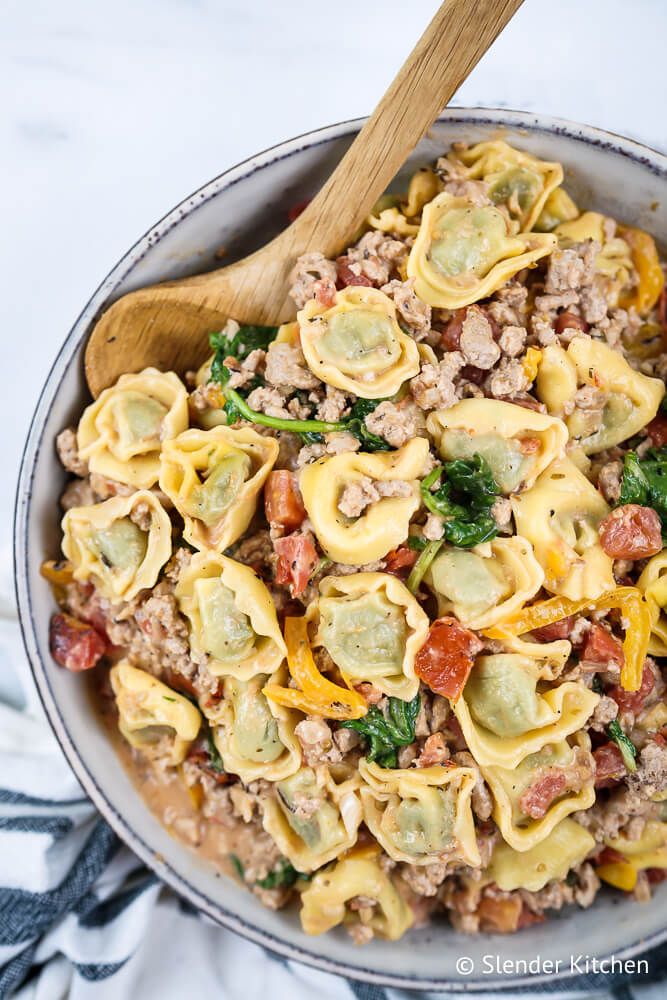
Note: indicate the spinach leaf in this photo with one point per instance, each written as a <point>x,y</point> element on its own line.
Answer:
<point>645,482</point>
<point>238,867</point>
<point>624,744</point>
<point>384,734</point>
<point>245,340</point>
<point>417,543</point>
<point>464,499</point>
<point>356,424</point>
<point>214,758</point>
<point>426,557</point>
<point>283,876</point>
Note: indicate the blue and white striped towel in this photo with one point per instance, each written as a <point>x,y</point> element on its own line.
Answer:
<point>81,917</point>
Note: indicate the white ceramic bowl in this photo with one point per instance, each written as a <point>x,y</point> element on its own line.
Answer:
<point>240,210</point>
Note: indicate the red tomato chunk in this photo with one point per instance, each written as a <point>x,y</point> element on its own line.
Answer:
<point>609,766</point>
<point>631,532</point>
<point>73,644</point>
<point>445,660</point>
<point>536,800</point>
<point>282,500</point>
<point>602,647</point>
<point>633,701</point>
<point>297,559</point>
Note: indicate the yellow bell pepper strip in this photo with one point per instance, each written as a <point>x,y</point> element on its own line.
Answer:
<point>620,874</point>
<point>647,263</point>
<point>628,600</point>
<point>531,363</point>
<point>314,694</point>
<point>58,572</point>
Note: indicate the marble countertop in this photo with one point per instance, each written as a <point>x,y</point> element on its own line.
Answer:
<point>111,113</point>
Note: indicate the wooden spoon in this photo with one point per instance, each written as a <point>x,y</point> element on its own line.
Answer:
<point>167,325</point>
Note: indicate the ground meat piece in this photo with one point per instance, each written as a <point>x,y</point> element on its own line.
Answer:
<point>309,269</point>
<point>68,453</point>
<point>433,527</point>
<point>346,740</point>
<point>609,481</point>
<point>501,512</point>
<point>651,774</point>
<point>605,712</point>
<point>433,388</point>
<point>482,801</point>
<point>434,751</point>
<point>338,442</point>
<point>477,344</point>
<point>269,401</point>
<point>513,340</point>
<point>593,303</point>
<point>360,494</point>
<point>631,532</point>
<point>414,312</point>
<point>424,880</point>
<point>508,307</point>
<point>104,488</point>
<point>286,367</point>
<point>78,493</point>
<point>334,406</point>
<point>571,269</point>
<point>473,191</point>
<point>552,303</point>
<point>397,423</point>
<point>376,256</point>
<point>542,329</point>
<point>309,453</point>
<point>242,372</point>
<point>507,379</point>
<point>317,742</point>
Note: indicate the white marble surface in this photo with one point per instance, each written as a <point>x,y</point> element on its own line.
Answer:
<point>112,112</point>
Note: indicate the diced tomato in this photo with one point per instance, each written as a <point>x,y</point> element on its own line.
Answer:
<point>570,321</point>
<point>528,918</point>
<point>662,310</point>
<point>602,647</point>
<point>529,445</point>
<point>295,211</point>
<point>631,532</point>
<point>282,500</point>
<point>609,766</point>
<point>371,694</point>
<point>346,276</point>
<point>445,660</point>
<point>500,915</point>
<point>657,430</point>
<point>297,559</point>
<point>655,875</point>
<point>325,292</point>
<point>473,374</point>
<point>401,560</point>
<point>633,701</point>
<point>75,645</point>
<point>609,857</point>
<point>660,739</point>
<point>179,682</point>
<point>557,630</point>
<point>536,800</point>
<point>450,339</point>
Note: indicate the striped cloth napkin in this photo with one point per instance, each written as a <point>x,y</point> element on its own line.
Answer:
<point>82,918</point>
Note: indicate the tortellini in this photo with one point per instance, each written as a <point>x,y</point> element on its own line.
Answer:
<point>421,815</point>
<point>372,627</point>
<point>505,715</point>
<point>465,251</point>
<point>559,207</point>
<point>121,544</point>
<point>312,818</point>
<point>390,217</point>
<point>150,713</point>
<point>518,444</point>
<point>214,478</point>
<point>560,516</point>
<point>515,179</point>
<point>566,846</point>
<point>121,433</point>
<point>232,617</point>
<point>508,785</point>
<point>382,525</point>
<point>647,851</point>
<point>356,344</point>
<point>653,585</point>
<point>632,398</point>
<point>487,584</point>
<point>357,874</point>
<point>254,736</point>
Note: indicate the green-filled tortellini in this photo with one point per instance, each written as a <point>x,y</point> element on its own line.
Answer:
<point>566,846</point>
<point>465,251</point>
<point>517,443</point>
<point>151,716</point>
<point>254,736</point>
<point>232,617</point>
<point>630,400</point>
<point>421,815</point>
<point>214,478</point>
<point>356,344</point>
<point>507,711</point>
<point>121,544</point>
<point>560,515</point>
<point>372,627</point>
<point>515,179</point>
<point>551,656</point>
<point>485,585</point>
<point>359,874</point>
<point>653,585</point>
<point>382,523</point>
<point>312,817</point>
<point>534,796</point>
<point>121,433</point>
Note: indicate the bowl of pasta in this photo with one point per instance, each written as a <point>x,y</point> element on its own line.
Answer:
<point>369,608</point>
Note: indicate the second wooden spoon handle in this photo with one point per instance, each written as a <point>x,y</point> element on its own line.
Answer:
<point>452,45</point>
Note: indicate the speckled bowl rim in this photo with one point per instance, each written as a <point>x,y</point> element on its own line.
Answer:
<point>648,158</point>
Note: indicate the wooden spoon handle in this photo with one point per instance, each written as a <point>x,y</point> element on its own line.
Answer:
<point>452,45</point>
